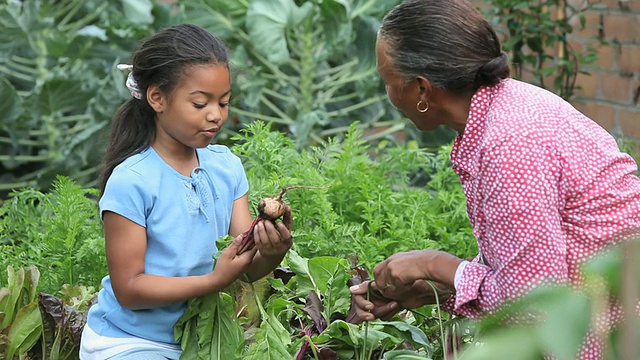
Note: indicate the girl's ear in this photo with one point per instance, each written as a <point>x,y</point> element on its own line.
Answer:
<point>156,98</point>
<point>424,86</point>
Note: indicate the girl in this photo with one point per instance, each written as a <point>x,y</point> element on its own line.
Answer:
<point>167,195</point>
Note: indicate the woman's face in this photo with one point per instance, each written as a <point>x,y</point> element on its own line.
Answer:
<point>403,95</point>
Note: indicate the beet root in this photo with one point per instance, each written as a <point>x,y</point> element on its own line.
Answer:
<point>270,208</point>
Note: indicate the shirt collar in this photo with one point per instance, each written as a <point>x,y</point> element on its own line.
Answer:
<point>466,146</point>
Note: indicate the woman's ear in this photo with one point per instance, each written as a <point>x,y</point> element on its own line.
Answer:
<point>424,86</point>
<point>156,98</point>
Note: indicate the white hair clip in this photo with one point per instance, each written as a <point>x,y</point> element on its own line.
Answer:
<point>131,83</point>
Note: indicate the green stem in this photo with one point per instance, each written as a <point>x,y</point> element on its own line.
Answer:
<point>307,70</point>
<point>313,348</point>
<point>366,325</point>
<point>442,338</point>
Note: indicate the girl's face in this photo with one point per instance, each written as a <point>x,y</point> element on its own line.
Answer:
<point>197,108</point>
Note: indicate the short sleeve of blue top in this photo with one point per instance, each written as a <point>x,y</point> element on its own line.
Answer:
<point>183,217</point>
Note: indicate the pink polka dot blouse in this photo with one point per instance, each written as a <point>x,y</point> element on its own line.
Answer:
<point>546,189</point>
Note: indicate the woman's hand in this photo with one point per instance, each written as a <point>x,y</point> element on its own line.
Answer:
<point>376,307</point>
<point>274,240</point>
<point>383,305</point>
<point>399,272</point>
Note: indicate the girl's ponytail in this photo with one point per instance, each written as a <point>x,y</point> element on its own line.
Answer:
<point>132,130</point>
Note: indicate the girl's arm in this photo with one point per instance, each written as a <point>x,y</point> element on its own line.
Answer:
<point>273,241</point>
<point>126,245</point>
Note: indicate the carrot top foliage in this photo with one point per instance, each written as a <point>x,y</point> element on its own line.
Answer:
<point>379,200</point>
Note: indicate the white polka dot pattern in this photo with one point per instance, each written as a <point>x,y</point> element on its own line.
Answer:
<point>546,189</point>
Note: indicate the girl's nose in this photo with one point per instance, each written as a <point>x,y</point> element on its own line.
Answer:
<point>215,115</point>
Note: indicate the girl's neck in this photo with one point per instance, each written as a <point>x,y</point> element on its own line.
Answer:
<point>181,158</point>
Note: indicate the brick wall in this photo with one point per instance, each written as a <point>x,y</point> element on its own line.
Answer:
<point>610,91</point>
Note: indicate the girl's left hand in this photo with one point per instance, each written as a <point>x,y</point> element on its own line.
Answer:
<point>274,239</point>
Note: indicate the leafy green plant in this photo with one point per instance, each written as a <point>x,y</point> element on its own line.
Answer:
<point>538,40</point>
<point>306,66</point>
<point>301,316</point>
<point>60,231</point>
<point>63,319</point>
<point>20,325</point>
<point>59,84</point>
<point>379,200</point>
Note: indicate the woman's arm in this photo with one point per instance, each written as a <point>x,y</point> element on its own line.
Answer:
<point>126,245</point>
<point>519,227</point>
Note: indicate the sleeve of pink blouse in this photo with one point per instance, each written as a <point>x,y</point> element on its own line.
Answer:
<point>518,227</point>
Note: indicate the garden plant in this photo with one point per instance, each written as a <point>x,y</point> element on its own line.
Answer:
<point>310,112</point>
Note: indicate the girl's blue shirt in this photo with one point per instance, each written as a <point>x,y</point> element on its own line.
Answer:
<point>183,217</point>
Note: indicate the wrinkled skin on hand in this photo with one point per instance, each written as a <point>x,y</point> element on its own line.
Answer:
<point>384,304</point>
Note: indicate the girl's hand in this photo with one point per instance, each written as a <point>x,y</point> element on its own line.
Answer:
<point>230,266</point>
<point>274,240</point>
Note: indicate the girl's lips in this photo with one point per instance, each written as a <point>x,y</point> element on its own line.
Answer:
<point>210,132</point>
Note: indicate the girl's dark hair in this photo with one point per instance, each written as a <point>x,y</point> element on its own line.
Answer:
<point>447,41</point>
<point>161,59</point>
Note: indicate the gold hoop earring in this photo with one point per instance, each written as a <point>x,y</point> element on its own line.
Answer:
<point>422,110</point>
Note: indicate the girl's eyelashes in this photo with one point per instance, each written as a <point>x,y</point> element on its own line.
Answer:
<point>203,105</point>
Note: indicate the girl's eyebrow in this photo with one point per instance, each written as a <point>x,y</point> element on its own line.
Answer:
<point>208,93</point>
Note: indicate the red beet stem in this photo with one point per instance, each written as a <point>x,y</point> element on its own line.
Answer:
<point>247,242</point>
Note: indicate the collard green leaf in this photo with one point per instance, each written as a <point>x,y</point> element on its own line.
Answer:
<point>272,341</point>
<point>63,96</point>
<point>12,304</point>
<point>31,279</point>
<point>403,355</point>
<point>138,11</point>
<point>25,330</point>
<point>366,30</point>
<point>300,267</point>
<point>220,17</point>
<point>323,268</point>
<point>11,102</point>
<point>335,15</point>
<point>267,22</point>
<point>407,332</point>
<point>227,334</point>
<point>208,329</point>
<point>337,298</point>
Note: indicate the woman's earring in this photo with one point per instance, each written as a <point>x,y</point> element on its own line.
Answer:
<point>425,108</point>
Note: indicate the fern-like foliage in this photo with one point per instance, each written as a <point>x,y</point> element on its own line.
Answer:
<point>59,232</point>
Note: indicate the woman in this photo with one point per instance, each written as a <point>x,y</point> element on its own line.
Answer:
<point>546,187</point>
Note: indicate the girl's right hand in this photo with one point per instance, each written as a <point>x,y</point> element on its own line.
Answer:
<point>230,266</point>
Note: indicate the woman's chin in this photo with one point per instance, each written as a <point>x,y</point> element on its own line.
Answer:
<point>425,126</point>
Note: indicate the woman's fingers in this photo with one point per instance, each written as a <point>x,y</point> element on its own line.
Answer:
<point>373,307</point>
